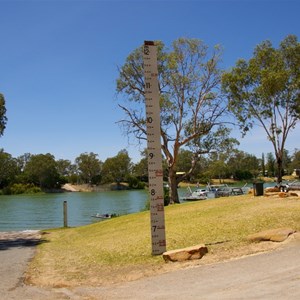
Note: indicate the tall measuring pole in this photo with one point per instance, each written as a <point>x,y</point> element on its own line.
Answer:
<point>155,171</point>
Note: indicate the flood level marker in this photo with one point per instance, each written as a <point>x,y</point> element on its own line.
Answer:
<point>155,171</point>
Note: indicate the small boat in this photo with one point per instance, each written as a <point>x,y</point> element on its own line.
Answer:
<point>216,187</point>
<point>104,216</point>
<point>223,190</point>
<point>198,194</point>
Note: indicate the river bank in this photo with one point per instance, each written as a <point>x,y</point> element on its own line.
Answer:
<point>68,187</point>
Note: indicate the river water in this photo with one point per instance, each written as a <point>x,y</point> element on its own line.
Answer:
<point>26,212</point>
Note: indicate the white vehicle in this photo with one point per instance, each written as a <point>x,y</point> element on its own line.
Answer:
<point>198,194</point>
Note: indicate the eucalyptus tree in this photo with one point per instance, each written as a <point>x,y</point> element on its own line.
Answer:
<point>218,167</point>
<point>271,165</point>
<point>191,103</point>
<point>286,162</point>
<point>117,168</point>
<point>140,169</point>
<point>41,170</point>
<point>265,91</point>
<point>242,165</point>
<point>263,165</point>
<point>8,169</point>
<point>89,167</point>
<point>22,160</point>
<point>183,164</point>
<point>64,167</point>
<point>3,118</point>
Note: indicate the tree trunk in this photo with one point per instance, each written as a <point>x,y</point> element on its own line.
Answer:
<point>279,171</point>
<point>173,187</point>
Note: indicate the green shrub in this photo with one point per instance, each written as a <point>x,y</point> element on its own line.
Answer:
<point>33,190</point>
<point>6,191</point>
<point>20,188</point>
<point>135,183</point>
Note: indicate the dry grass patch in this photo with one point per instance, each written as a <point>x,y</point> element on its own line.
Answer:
<point>120,249</point>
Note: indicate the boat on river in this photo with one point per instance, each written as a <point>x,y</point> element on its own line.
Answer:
<point>223,190</point>
<point>214,191</point>
<point>104,216</point>
<point>198,194</point>
<point>220,190</point>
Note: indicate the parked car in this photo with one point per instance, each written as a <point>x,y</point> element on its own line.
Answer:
<point>294,186</point>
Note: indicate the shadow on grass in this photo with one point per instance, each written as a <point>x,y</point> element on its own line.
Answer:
<point>19,240</point>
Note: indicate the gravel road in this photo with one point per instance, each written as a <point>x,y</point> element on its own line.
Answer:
<point>272,275</point>
<point>16,251</point>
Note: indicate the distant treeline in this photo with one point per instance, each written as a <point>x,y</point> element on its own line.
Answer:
<point>42,172</point>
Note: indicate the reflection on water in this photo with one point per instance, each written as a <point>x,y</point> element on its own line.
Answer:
<point>24,212</point>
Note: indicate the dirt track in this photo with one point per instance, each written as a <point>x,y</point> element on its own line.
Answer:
<point>272,275</point>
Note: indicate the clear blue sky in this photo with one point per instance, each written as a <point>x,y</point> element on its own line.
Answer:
<point>59,59</point>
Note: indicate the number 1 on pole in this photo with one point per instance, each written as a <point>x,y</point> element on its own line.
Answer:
<point>155,171</point>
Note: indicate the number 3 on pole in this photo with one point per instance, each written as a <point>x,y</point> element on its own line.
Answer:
<point>156,191</point>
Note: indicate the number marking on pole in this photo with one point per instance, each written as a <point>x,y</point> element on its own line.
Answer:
<point>155,171</point>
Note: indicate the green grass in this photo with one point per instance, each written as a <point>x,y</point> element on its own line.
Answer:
<point>123,245</point>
